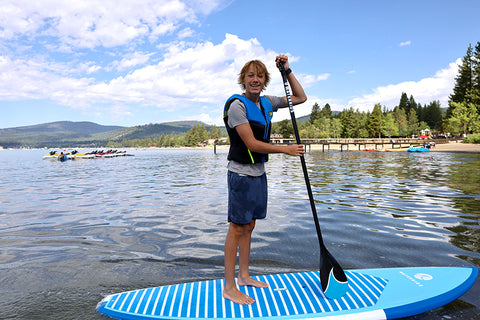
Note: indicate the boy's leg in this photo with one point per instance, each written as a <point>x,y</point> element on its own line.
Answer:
<point>245,241</point>
<point>230,291</point>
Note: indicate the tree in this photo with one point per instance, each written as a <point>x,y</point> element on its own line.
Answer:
<point>284,128</point>
<point>432,115</point>
<point>412,120</point>
<point>403,101</point>
<point>389,128</point>
<point>464,118</point>
<point>475,94</point>
<point>326,111</point>
<point>315,113</point>
<point>336,128</point>
<point>466,93</point>
<point>214,132</point>
<point>196,134</point>
<point>360,124</point>
<point>411,104</point>
<point>323,126</point>
<point>347,118</point>
<point>374,122</point>
<point>463,81</point>
<point>401,121</point>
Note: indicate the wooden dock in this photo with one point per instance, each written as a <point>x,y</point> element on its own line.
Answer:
<point>359,144</point>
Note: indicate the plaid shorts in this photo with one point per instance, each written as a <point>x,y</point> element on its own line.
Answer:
<point>247,198</point>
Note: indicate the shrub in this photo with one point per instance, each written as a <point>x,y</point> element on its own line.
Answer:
<point>472,138</point>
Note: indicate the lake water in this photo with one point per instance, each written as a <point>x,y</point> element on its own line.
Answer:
<point>73,232</point>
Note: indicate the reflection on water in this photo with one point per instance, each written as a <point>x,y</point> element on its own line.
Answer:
<point>75,231</point>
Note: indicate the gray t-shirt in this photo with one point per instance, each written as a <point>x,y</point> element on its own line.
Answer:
<point>237,115</point>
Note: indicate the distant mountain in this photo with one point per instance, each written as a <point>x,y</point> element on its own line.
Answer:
<point>88,134</point>
<point>158,129</point>
<point>82,127</point>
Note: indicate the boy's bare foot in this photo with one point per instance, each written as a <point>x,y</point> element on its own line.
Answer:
<point>237,296</point>
<point>252,282</point>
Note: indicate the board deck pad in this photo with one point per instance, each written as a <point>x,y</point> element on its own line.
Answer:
<point>372,294</point>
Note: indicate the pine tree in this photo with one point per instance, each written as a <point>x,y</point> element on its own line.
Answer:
<point>413,125</point>
<point>326,111</point>
<point>476,75</point>
<point>463,81</point>
<point>466,93</point>
<point>374,122</point>
<point>403,101</point>
<point>401,121</point>
<point>389,128</point>
<point>315,113</point>
<point>347,118</point>
<point>411,104</point>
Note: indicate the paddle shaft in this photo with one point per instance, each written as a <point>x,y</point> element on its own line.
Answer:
<point>302,158</point>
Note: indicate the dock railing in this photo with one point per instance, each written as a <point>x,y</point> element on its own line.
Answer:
<point>360,143</point>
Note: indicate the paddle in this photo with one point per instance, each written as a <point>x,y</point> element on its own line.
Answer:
<point>332,277</point>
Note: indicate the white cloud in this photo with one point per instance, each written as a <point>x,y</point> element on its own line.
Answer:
<point>131,60</point>
<point>202,74</point>
<point>424,91</point>
<point>92,23</point>
<point>405,43</point>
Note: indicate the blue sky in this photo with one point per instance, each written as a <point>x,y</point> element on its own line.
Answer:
<point>149,61</point>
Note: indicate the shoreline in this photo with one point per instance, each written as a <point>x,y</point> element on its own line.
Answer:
<point>452,146</point>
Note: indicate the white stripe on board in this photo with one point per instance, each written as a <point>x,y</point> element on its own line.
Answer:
<point>148,301</point>
<point>222,286</point>
<point>287,276</point>
<point>295,310</point>
<point>125,300</point>
<point>214,299</point>
<point>154,310</point>
<point>140,300</point>
<point>260,312</point>
<point>206,300</point>
<point>362,278</point>
<point>273,299</point>
<point>182,297</point>
<point>378,287</point>
<point>190,294</point>
<point>313,293</point>
<point>352,300</point>
<point>197,311</point>
<point>173,300</point>
<point>319,288</point>
<point>131,301</point>
<point>300,285</point>
<point>165,300</point>
<point>360,288</point>
<point>287,312</point>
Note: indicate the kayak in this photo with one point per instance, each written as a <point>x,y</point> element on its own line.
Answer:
<point>418,149</point>
<point>53,155</point>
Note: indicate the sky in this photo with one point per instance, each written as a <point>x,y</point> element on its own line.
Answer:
<point>138,62</point>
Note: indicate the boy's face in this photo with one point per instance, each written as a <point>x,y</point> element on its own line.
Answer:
<point>254,80</point>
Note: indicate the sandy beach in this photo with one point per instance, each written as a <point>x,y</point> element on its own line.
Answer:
<point>454,146</point>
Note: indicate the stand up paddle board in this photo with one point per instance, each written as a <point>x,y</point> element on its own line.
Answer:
<point>372,294</point>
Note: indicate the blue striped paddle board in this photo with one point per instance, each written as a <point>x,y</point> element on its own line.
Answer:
<point>372,294</point>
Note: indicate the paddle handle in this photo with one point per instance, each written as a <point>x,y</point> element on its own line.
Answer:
<point>302,158</point>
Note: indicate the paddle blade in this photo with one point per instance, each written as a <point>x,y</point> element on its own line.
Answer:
<point>332,277</point>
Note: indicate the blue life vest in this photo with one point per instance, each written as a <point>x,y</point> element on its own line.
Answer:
<point>260,122</point>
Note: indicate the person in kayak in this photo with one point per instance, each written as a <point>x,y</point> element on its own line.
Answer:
<point>247,118</point>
